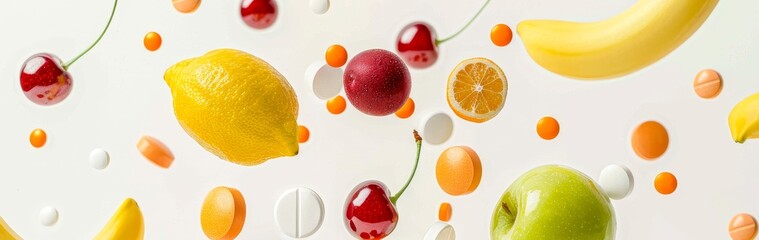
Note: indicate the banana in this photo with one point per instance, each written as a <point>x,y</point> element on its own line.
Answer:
<point>618,46</point>
<point>126,223</point>
<point>6,233</point>
<point>744,119</point>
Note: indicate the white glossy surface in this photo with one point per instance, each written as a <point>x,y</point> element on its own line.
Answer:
<point>440,231</point>
<point>99,159</point>
<point>436,128</point>
<point>617,181</point>
<point>299,212</point>
<point>325,81</point>
<point>48,216</point>
<point>319,6</point>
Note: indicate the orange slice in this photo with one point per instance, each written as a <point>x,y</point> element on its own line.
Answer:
<point>476,89</point>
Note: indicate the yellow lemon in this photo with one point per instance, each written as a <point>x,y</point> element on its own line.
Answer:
<point>235,105</point>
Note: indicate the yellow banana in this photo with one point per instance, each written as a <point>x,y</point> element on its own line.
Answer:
<point>126,223</point>
<point>744,119</point>
<point>6,233</point>
<point>618,46</point>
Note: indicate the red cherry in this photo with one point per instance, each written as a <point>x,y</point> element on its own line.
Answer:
<point>258,14</point>
<point>370,210</point>
<point>416,44</point>
<point>369,214</point>
<point>44,80</point>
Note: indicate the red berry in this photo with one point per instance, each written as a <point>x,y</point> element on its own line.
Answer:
<point>258,14</point>
<point>377,82</point>
<point>416,45</point>
<point>369,213</point>
<point>44,80</point>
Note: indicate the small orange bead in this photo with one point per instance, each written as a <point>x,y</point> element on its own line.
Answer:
<point>336,105</point>
<point>548,128</point>
<point>152,41</point>
<point>407,110</point>
<point>303,134</point>
<point>501,35</point>
<point>665,183</point>
<point>336,56</point>
<point>445,212</point>
<point>38,138</point>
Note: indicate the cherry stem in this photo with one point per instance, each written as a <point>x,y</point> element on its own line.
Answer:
<point>441,41</point>
<point>68,64</point>
<point>418,139</point>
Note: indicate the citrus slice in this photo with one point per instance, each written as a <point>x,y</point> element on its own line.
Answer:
<point>476,89</point>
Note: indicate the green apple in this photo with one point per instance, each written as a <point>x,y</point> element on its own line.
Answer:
<point>553,202</point>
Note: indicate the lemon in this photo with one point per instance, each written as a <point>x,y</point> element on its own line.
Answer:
<point>235,105</point>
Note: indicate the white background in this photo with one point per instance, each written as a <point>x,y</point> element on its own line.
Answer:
<point>119,95</point>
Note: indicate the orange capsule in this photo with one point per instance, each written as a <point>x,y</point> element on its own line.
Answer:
<point>155,151</point>
<point>303,134</point>
<point>445,212</point>
<point>501,35</point>
<point>336,105</point>
<point>336,56</point>
<point>38,138</point>
<point>665,183</point>
<point>548,128</point>
<point>407,110</point>
<point>152,41</point>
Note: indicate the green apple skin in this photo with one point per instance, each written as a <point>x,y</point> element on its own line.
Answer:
<point>553,202</point>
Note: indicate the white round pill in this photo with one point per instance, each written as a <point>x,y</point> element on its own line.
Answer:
<point>324,80</point>
<point>319,6</point>
<point>440,231</point>
<point>48,216</point>
<point>436,128</point>
<point>99,159</point>
<point>299,212</point>
<point>617,181</point>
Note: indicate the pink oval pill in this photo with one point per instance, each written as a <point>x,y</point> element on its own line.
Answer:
<point>707,84</point>
<point>742,227</point>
